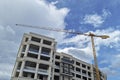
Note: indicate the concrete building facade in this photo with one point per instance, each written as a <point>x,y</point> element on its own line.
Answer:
<point>67,67</point>
<point>37,59</point>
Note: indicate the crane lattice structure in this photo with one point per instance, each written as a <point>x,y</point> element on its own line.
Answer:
<point>77,33</point>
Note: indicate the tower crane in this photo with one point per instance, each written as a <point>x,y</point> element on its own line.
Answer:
<point>77,33</point>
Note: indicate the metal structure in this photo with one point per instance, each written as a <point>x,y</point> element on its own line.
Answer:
<point>77,33</point>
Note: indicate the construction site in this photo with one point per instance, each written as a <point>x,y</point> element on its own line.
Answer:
<point>59,40</point>
<point>38,59</point>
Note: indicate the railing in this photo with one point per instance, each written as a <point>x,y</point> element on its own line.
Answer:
<point>33,50</point>
<point>23,50</point>
<point>67,60</point>
<point>18,68</point>
<point>72,70</point>
<point>42,70</point>
<point>29,68</point>
<point>89,75</point>
<point>46,53</point>
<point>79,72</point>
<point>67,73</point>
<point>84,74</point>
<point>56,66</point>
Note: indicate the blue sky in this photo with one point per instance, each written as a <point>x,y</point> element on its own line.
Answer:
<point>97,16</point>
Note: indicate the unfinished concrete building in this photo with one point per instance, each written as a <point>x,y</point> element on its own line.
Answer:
<point>37,59</point>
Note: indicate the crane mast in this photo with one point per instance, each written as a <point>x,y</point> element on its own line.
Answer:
<point>77,33</point>
<point>95,59</point>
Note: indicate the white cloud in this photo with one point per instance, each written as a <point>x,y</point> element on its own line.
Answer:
<point>106,13</point>
<point>104,62</point>
<point>82,54</point>
<point>54,2</point>
<point>112,42</point>
<point>82,44</point>
<point>9,29</point>
<point>1,28</point>
<point>31,12</point>
<point>109,71</point>
<point>41,13</point>
<point>113,67</point>
<point>5,32</point>
<point>95,19</point>
<point>5,71</point>
<point>116,62</point>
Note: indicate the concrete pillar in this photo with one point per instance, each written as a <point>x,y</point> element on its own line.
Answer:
<point>53,65</point>
<point>26,51</point>
<point>53,44</point>
<point>49,72</point>
<point>20,50</point>
<point>92,74</point>
<point>37,66</point>
<point>39,52</point>
<point>21,69</point>
<point>15,69</point>
<point>41,41</point>
<point>51,54</point>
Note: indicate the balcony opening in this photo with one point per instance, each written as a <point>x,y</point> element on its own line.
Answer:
<point>24,48</point>
<point>89,79</point>
<point>84,78</point>
<point>67,60</point>
<point>57,57</point>
<point>25,74</point>
<point>43,66</point>
<point>78,69</point>
<point>72,67</point>
<point>57,63</point>
<point>22,55</point>
<point>43,69</point>
<point>19,65</point>
<point>89,74</point>
<point>84,72</point>
<point>44,58</point>
<point>28,74</point>
<point>78,76</point>
<point>57,70</point>
<point>66,70</point>
<point>17,74</point>
<point>35,39</point>
<point>88,67</point>
<point>26,39</point>
<point>34,48</point>
<point>42,77</point>
<point>45,51</point>
<point>83,65</point>
<point>32,55</point>
<point>73,74</point>
<point>47,42</point>
<point>29,64</point>
<point>64,65</point>
<point>77,63</point>
<point>56,77</point>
